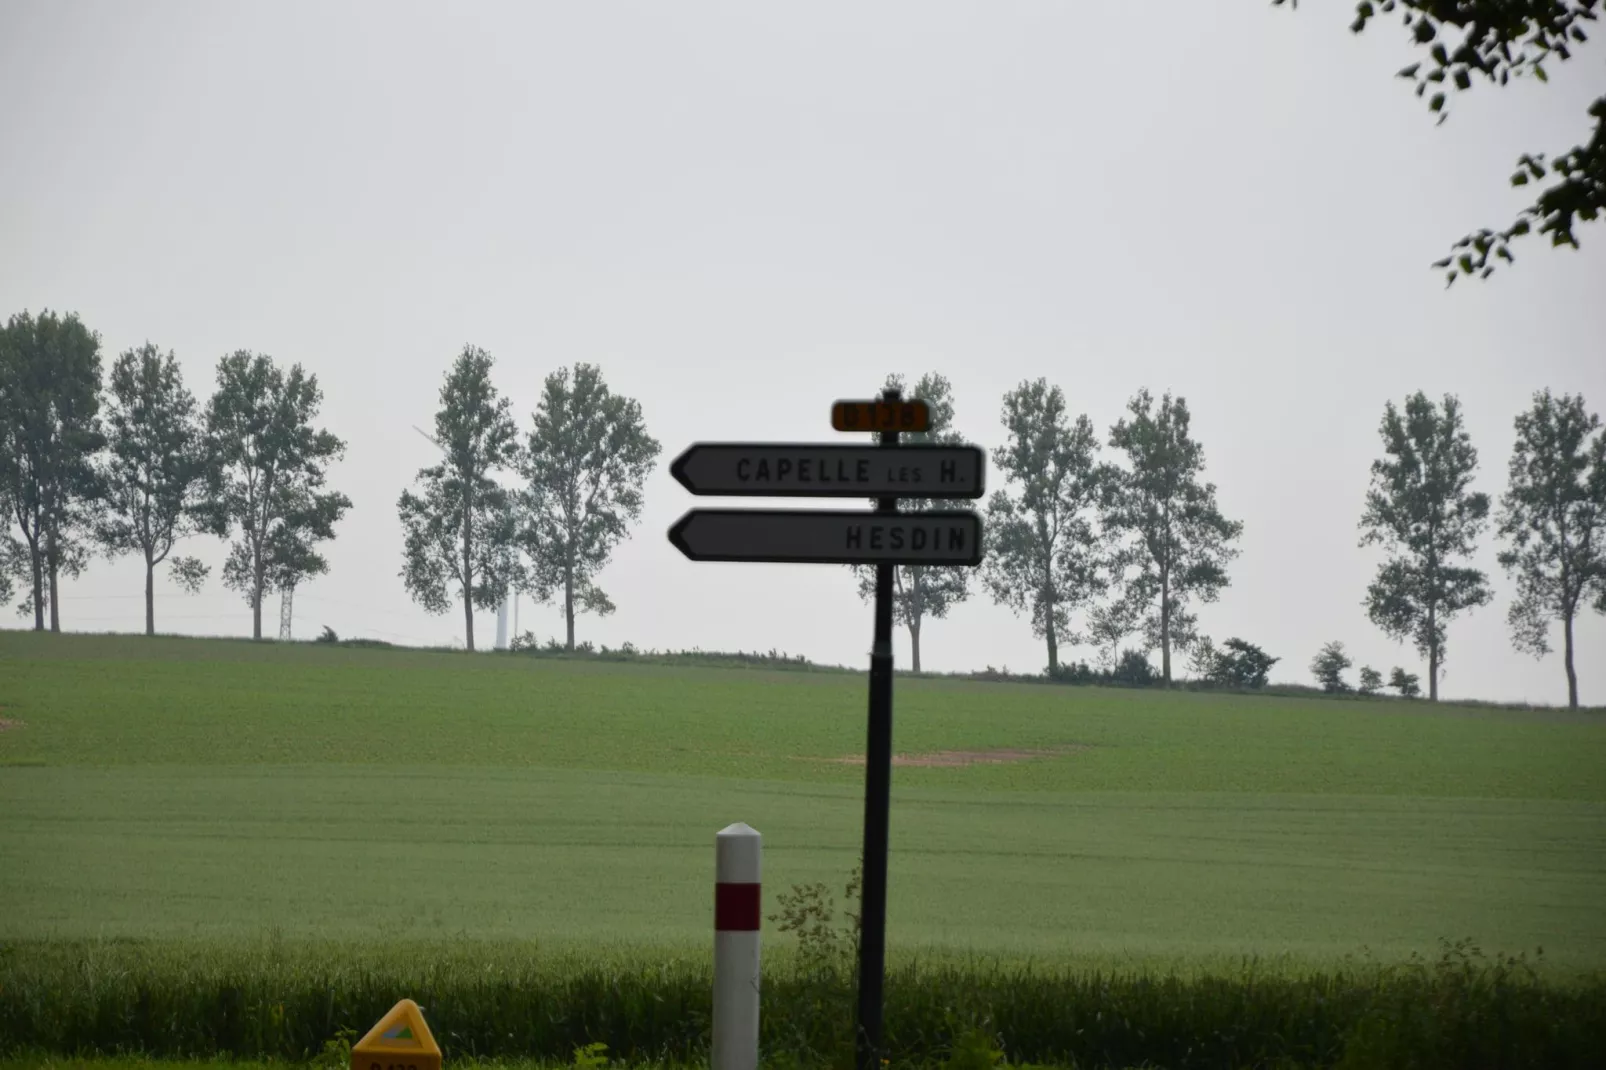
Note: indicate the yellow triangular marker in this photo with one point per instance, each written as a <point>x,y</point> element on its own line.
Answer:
<point>400,1041</point>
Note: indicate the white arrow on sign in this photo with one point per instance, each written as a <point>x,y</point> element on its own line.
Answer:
<point>771,470</point>
<point>828,537</point>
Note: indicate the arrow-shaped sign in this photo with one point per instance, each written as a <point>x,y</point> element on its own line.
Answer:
<point>829,537</point>
<point>768,470</point>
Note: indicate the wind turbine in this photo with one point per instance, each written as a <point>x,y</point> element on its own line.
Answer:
<point>512,601</point>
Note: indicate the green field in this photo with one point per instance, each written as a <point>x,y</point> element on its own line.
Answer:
<point>175,789</point>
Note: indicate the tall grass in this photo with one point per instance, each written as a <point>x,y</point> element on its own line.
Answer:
<point>527,1002</point>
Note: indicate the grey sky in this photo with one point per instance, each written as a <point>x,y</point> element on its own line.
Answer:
<point>743,212</point>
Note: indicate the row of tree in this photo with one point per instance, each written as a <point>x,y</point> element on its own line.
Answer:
<point>135,466</point>
<point>1132,541</point>
<point>470,539</point>
<point>1136,542</point>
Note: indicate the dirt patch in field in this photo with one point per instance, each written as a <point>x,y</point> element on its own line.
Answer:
<point>8,723</point>
<point>954,759</point>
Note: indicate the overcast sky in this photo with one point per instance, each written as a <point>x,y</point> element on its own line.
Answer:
<point>743,212</point>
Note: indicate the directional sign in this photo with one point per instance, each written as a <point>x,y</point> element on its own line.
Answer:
<point>881,415</point>
<point>773,470</point>
<point>828,537</point>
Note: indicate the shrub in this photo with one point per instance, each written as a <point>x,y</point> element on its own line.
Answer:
<point>1242,664</point>
<point>328,636</point>
<point>1405,683</point>
<point>1328,667</point>
<point>1133,668</point>
<point>1371,681</point>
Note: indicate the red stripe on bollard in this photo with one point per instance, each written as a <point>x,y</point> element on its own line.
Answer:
<point>736,907</point>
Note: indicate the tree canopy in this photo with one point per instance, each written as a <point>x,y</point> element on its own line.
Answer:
<point>585,461</point>
<point>1420,507</point>
<point>1553,519</point>
<point>267,466</point>
<point>460,530</point>
<point>1495,41</point>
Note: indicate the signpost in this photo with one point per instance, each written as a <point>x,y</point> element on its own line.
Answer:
<point>884,538</point>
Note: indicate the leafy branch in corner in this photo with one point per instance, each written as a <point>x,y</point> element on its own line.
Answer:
<point>1497,40</point>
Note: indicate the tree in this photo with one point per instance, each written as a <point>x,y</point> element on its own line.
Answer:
<point>1371,681</point>
<point>920,592</point>
<point>1043,546</point>
<point>1110,622</point>
<point>1498,40</point>
<point>155,473</point>
<point>461,530</point>
<point>1405,683</point>
<point>1421,509</point>
<point>1329,666</point>
<point>1553,518</point>
<point>49,405</point>
<point>1133,667</point>
<point>267,466</point>
<point>584,464</point>
<point>1178,541</point>
<point>1202,659</point>
<point>1242,664</point>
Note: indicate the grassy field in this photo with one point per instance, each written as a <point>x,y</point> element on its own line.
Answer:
<point>179,789</point>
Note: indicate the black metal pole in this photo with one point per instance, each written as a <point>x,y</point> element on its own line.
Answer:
<point>877,801</point>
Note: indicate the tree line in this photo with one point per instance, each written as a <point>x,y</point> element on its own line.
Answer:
<point>135,465</point>
<point>1096,538</point>
<point>1132,541</point>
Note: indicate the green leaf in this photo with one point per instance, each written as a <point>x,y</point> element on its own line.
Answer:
<point>1437,103</point>
<point>1466,263</point>
<point>1424,31</point>
<point>1539,73</point>
<point>1409,72</point>
<point>1519,179</point>
<point>1440,55</point>
<point>1463,80</point>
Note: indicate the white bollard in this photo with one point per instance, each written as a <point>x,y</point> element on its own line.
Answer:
<point>736,916</point>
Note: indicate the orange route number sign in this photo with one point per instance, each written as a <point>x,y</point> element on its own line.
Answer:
<point>880,416</point>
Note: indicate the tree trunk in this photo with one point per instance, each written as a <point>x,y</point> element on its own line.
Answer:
<point>38,587</point>
<point>468,575</point>
<point>150,596</point>
<point>914,644</point>
<point>1433,655</point>
<point>256,606</point>
<point>55,581</point>
<point>568,603</point>
<point>1165,628</point>
<point>1572,676</point>
<point>1053,647</point>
